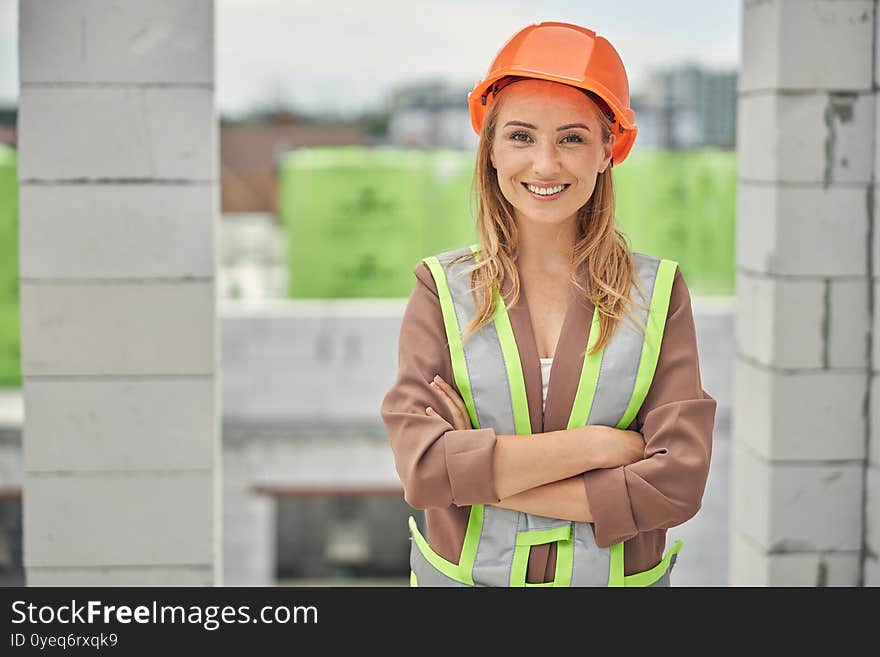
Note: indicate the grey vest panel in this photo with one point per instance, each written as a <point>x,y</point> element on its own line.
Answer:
<point>591,564</point>
<point>482,352</point>
<point>497,542</point>
<point>622,354</point>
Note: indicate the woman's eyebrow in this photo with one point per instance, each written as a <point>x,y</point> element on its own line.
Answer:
<point>567,126</point>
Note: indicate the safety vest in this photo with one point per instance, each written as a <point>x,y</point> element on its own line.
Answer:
<point>613,384</point>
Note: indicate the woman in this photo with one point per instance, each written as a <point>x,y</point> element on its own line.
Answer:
<point>578,485</point>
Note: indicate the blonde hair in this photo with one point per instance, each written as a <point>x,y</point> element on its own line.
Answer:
<point>600,248</point>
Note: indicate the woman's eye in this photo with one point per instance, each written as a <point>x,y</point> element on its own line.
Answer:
<point>524,137</point>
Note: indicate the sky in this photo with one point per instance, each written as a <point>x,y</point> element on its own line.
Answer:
<point>347,56</point>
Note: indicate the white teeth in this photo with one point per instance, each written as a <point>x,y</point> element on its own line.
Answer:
<point>546,191</point>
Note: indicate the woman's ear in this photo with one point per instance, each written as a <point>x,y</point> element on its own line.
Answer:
<point>608,149</point>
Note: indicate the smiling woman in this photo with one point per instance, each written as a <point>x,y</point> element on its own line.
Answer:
<point>547,155</point>
<point>578,489</point>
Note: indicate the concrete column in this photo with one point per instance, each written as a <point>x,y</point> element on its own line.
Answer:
<point>805,259</point>
<point>871,563</point>
<point>119,209</point>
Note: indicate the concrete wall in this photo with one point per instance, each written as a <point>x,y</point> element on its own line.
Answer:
<point>118,211</point>
<point>805,505</point>
<point>302,386</point>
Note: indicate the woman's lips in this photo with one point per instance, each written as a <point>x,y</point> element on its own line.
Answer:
<point>542,197</point>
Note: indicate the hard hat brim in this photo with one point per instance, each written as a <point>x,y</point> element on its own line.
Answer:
<point>625,129</point>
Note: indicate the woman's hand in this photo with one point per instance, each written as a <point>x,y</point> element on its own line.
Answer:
<point>616,447</point>
<point>459,413</point>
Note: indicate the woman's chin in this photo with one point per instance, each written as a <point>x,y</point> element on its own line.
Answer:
<point>545,218</point>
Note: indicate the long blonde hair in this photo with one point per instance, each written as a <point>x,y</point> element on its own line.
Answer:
<point>600,248</point>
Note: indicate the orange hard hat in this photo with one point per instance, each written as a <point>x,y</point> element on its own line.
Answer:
<point>566,53</point>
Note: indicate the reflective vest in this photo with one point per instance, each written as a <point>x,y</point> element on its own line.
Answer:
<point>613,384</point>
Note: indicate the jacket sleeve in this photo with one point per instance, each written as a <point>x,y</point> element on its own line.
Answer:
<point>437,465</point>
<point>676,419</point>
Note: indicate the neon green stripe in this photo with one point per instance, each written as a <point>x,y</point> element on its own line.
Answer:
<point>451,570</point>
<point>538,536</point>
<point>519,565</point>
<point>524,540</point>
<point>512,362</point>
<point>462,571</point>
<point>653,339</point>
<point>564,555</point>
<point>648,577</point>
<point>583,399</point>
<point>516,381</point>
<point>615,571</point>
<point>471,541</point>
<point>564,562</point>
<point>413,580</point>
<point>453,336</point>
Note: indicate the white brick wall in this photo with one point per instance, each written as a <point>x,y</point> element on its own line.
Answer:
<point>872,529</point>
<point>119,207</point>
<point>807,44</point>
<point>848,323</point>
<point>777,225</point>
<point>136,424</point>
<point>116,231</point>
<point>117,328</point>
<point>163,41</point>
<point>121,576</point>
<point>131,133</point>
<point>806,302</point>
<point>249,538</point>
<point>806,137</point>
<point>874,411</point>
<point>323,338</point>
<point>771,417</point>
<point>779,320</point>
<point>155,518</point>
<point>797,507</point>
<point>790,569</point>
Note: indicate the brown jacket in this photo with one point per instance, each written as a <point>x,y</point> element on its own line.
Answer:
<point>444,471</point>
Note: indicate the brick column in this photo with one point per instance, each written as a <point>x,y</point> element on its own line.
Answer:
<point>118,214</point>
<point>802,378</point>
<point>871,558</point>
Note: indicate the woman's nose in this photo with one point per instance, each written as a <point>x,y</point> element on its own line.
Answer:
<point>546,161</point>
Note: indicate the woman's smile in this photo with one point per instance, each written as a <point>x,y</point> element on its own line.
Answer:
<point>546,193</point>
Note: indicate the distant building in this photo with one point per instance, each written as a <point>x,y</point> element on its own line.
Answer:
<point>687,106</point>
<point>679,107</point>
<point>249,152</point>
<point>8,119</point>
<point>433,113</point>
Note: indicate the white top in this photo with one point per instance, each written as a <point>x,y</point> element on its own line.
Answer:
<point>545,377</point>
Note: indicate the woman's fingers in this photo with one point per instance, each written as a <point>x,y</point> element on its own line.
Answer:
<point>461,420</point>
<point>451,395</point>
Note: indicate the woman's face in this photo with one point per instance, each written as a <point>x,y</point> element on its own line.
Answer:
<point>547,138</point>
